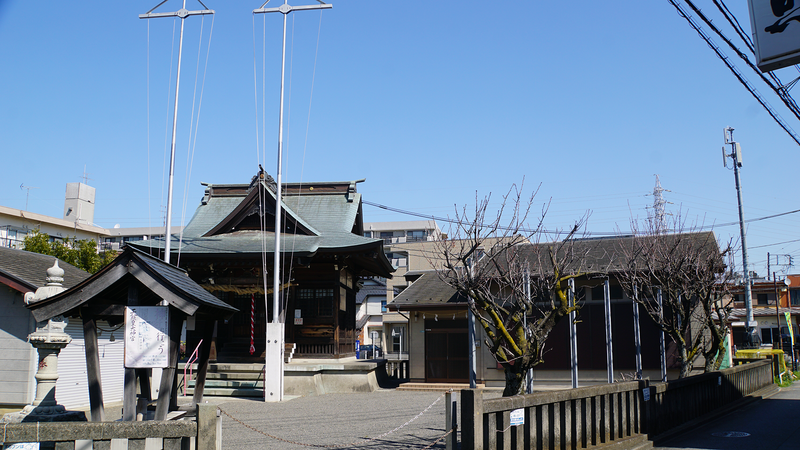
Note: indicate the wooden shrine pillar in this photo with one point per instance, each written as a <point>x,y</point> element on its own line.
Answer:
<point>93,366</point>
<point>168,376</point>
<point>129,393</point>
<point>207,334</point>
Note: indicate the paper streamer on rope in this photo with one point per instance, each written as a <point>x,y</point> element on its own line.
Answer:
<point>252,323</point>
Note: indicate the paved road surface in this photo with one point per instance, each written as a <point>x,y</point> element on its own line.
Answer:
<point>769,424</point>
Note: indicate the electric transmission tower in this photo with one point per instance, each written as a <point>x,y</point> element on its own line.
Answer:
<point>658,214</point>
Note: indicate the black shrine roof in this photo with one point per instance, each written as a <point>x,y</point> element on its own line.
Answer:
<point>108,288</point>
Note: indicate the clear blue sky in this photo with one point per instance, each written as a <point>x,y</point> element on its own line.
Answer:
<point>430,102</point>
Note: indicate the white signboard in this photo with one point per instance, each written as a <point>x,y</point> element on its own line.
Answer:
<point>146,337</point>
<point>776,29</point>
<point>22,446</point>
<point>517,417</point>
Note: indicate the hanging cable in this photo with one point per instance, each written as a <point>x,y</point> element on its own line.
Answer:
<point>769,78</point>
<point>588,233</point>
<point>305,143</point>
<point>194,125</point>
<point>149,193</point>
<point>255,91</point>
<point>166,134</point>
<point>775,116</point>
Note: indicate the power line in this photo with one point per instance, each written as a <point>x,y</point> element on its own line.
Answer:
<point>588,233</point>
<point>775,116</point>
<point>776,243</point>
<point>779,89</point>
<point>454,221</point>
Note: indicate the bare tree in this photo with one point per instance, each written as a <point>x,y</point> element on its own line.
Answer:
<point>689,270</point>
<point>491,262</point>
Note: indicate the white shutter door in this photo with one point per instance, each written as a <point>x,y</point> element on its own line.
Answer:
<point>72,387</point>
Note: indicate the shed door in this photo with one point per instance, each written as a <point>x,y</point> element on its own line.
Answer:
<point>72,387</point>
<point>446,351</point>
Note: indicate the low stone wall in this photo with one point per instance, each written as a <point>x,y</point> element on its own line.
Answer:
<point>201,434</point>
<point>332,378</point>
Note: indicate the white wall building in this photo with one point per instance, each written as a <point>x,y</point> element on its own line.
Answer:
<point>77,223</point>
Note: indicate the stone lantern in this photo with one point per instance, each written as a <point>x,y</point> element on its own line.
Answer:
<point>48,339</point>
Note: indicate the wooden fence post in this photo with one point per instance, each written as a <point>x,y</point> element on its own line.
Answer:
<point>472,418</point>
<point>646,400</point>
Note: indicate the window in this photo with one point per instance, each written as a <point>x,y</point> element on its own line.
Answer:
<point>766,299</point>
<point>794,295</point>
<point>315,302</point>
<point>387,236</point>
<point>415,235</point>
<point>769,335</point>
<point>383,306</point>
<point>368,234</point>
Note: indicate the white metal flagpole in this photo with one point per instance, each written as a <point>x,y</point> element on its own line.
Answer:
<point>182,13</point>
<point>273,375</point>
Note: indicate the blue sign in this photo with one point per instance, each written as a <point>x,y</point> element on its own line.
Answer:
<point>358,349</point>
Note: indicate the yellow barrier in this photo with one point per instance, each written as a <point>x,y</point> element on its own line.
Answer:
<point>765,353</point>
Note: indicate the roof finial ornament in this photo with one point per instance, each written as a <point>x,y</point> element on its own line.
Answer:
<point>262,177</point>
<point>55,276</point>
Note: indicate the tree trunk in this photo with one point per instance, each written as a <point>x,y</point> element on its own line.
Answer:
<point>515,381</point>
<point>686,366</point>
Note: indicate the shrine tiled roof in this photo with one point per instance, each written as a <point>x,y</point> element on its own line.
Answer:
<point>325,219</point>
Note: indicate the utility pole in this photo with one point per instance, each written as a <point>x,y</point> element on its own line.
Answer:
<point>182,13</point>
<point>736,155</point>
<point>273,376</point>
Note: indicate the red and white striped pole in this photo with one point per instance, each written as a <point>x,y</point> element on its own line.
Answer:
<point>252,323</point>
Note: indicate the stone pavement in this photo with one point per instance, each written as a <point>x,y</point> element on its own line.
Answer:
<point>769,424</point>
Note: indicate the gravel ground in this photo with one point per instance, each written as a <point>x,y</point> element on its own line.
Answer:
<point>384,419</point>
<point>341,420</point>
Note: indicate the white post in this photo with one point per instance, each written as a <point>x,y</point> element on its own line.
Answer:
<point>662,345</point>
<point>573,335</point>
<point>637,339</point>
<point>527,281</point>
<point>609,338</point>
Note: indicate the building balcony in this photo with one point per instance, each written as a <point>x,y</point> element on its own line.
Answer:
<point>12,243</point>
